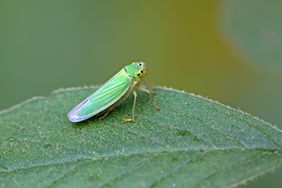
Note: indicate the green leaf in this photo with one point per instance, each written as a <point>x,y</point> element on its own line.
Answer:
<point>190,142</point>
<point>254,26</point>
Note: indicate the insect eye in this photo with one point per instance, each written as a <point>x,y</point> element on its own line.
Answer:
<point>142,71</point>
<point>140,64</point>
<point>138,74</point>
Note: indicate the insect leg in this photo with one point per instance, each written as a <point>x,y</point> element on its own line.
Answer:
<point>148,88</point>
<point>150,92</point>
<point>105,114</point>
<point>134,103</point>
<point>133,109</point>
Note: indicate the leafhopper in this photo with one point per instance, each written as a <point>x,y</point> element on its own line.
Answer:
<point>112,93</point>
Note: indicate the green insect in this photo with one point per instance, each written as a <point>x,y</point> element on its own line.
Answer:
<point>112,93</point>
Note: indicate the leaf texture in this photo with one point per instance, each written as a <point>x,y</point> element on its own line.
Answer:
<point>190,142</point>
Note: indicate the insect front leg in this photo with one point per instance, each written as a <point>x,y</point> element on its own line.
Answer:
<point>133,109</point>
<point>151,93</point>
<point>148,89</point>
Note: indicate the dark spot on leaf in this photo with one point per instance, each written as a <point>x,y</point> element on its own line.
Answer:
<point>187,133</point>
<point>174,159</point>
<point>183,132</point>
<point>93,178</point>
<point>47,145</point>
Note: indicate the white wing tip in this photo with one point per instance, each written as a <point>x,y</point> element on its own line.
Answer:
<point>73,117</point>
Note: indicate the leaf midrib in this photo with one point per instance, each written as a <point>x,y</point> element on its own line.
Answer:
<point>170,173</point>
<point>107,157</point>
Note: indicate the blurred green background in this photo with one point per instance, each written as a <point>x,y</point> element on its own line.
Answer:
<point>229,51</point>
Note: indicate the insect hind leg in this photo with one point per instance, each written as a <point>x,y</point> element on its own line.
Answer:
<point>104,113</point>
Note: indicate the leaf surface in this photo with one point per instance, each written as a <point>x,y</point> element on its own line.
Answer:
<point>190,142</point>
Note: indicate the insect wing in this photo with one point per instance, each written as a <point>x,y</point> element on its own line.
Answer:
<point>104,97</point>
